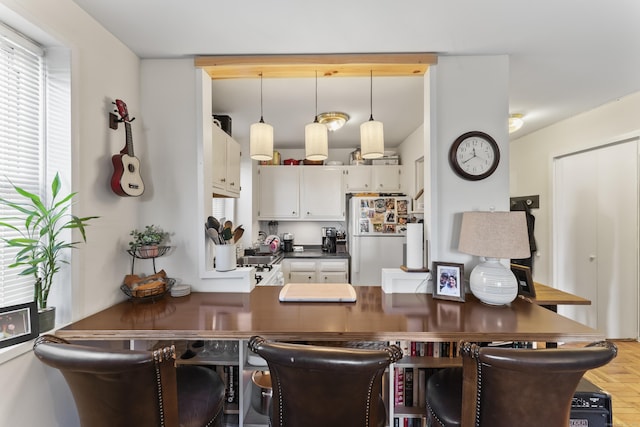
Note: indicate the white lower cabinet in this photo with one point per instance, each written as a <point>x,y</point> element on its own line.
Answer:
<point>315,270</point>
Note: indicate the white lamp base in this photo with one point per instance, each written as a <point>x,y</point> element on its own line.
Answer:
<point>492,283</point>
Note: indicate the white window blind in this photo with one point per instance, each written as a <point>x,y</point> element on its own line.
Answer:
<point>21,146</point>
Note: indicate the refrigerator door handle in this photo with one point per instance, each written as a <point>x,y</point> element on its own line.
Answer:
<point>355,255</point>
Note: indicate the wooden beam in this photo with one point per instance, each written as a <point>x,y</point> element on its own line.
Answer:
<point>329,65</point>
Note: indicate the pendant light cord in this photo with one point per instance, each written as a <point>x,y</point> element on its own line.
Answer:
<point>261,119</point>
<point>315,120</point>
<point>371,95</point>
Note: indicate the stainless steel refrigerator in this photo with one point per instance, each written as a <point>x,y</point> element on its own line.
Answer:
<point>377,228</point>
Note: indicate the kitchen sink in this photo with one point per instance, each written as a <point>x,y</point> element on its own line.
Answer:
<point>260,259</point>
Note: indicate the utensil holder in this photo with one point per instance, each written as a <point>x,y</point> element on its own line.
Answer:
<point>225,257</point>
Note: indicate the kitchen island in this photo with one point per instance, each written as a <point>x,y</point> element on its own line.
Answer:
<point>375,316</point>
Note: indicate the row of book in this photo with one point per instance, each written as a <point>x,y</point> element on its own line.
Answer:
<point>408,422</point>
<point>410,386</point>
<point>431,349</point>
<point>449,348</point>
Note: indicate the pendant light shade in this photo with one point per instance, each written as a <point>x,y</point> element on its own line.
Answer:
<point>316,136</point>
<point>261,136</point>
<point>371,134</point>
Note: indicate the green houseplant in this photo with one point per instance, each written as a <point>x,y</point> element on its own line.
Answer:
<point>145,242</point>
<point>41,242</point>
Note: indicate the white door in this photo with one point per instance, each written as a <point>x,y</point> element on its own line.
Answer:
<point>596,236</point>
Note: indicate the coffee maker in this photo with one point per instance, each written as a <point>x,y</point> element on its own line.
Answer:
<point>329,237</point>
<point>287,238</point>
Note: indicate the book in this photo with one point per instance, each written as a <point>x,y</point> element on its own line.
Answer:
<point>408,386</point>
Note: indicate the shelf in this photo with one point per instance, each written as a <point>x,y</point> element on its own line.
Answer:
<point>409,411</point>
<point>428,362</point>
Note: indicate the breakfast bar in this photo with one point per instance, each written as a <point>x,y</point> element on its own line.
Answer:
<point>375,316</point>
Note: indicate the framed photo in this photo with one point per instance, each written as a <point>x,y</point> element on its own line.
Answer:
<point>525,281</point>
<point>448,281</point>
<point>19,323</point>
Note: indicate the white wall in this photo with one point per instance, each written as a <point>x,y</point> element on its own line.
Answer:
<point>467,93</point>
<point>532,161</point>
<point>102,69</point>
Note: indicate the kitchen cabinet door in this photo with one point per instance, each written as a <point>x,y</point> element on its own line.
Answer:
<point>387,178</point>
<point>357,178</point>
<point>302,277</point>
<point>322,193</point>
<point>279,192</point>
<point>225,163</point>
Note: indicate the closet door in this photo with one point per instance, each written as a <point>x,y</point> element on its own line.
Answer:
<point>596,236</point>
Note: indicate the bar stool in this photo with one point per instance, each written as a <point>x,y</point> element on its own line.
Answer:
<point>318,386</point>
<point>506,387</point>
<point>124,388</point>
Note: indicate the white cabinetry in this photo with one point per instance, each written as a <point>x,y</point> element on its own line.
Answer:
<point>279,192</point>
<point>373,178</point>
<point>315,270</point>
<point>225,164</point>
<point>321,193</point>
<point>300,192</point>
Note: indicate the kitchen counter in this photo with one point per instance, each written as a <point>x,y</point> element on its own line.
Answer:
<point>315,252</point>
<point>374,316</point>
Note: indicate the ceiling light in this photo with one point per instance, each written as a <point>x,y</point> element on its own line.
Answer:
<point>261,136</point>
<point>372,134</point>
<point>515,122</point>
<point>334,120</point>
<point>316,138</point>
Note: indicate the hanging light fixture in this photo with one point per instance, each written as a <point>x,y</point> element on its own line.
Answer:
<point>371,134</point>
<point>261,136</point>
<point>515,122</point>
<point>333,120</point>
<point>316,138</point>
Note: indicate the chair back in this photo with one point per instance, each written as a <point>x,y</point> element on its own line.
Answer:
<point>505,387</point>
<point>325,386</point>
<point>116,388</point>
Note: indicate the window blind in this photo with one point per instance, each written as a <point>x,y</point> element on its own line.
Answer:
<point>21,146</point>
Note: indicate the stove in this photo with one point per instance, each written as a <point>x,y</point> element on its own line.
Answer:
<point>267,274</point>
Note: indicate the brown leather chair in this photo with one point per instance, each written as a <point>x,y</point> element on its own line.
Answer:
<point>124,388</point>
<point>506,387</point>
<point>317,386</point>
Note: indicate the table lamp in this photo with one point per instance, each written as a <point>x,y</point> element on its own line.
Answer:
<point>494,235</point>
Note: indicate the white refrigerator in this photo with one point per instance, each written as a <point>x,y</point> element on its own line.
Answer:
<point>377,229</point>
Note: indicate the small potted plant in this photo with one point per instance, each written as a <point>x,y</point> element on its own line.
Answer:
<point>40,241</point>
<point>146,242</point>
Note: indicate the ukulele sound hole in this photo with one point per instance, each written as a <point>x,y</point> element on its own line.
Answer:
<point>131,168</point>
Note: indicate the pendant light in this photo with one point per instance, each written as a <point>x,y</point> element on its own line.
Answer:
<point>371,134</point>
<point>261,136</point>
<point>316,136</point>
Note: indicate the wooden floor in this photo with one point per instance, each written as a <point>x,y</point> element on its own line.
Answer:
<point>621,379</point>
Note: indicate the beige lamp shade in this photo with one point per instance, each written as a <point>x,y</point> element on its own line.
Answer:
<point>494,234</point>
<point>372,139</point>
<point>316,141</point>
<point>261,141</point>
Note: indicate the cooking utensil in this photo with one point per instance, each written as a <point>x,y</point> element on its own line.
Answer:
<point>237,234</point>
<point>212,222</point>
<point>290,162</point>
<point>213,235</point>
<point>221,226</point>
<point>262,392</point>
<point>227,234</point>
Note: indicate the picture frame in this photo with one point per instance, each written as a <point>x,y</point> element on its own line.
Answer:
<point>18,323</point>
<point>448,281</point>
<point>525,280</point>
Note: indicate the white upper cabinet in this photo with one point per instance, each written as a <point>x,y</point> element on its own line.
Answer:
<point>387,178</point>
<point>377,178</point>
<point>279,192</point>
<point>322,193</point>
<point>225,164</point>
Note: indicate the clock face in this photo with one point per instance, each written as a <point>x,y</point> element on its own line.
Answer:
<point>474,155</point>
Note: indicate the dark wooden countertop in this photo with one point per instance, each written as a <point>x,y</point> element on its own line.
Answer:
<point>315,253</point>
<point>375,316</point>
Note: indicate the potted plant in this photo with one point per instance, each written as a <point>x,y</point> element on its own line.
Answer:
<point>41,243</point>
<point>146,242</point>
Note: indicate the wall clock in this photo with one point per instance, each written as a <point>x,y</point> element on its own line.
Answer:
<point>474,155</point>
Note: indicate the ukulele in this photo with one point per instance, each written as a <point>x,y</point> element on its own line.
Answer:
<point>126,179</point>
